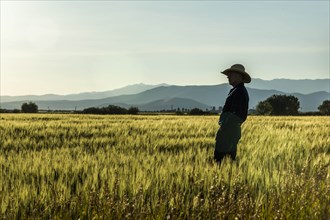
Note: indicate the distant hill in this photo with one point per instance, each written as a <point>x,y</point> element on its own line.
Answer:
<point>127,90</point>
<point>164,104</point>
<point>172,103</point>
<point>165,96</point>
<point>303,86</point>
<point>310,102</point>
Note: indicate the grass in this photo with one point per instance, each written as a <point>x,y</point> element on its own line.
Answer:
<point>161,167</point>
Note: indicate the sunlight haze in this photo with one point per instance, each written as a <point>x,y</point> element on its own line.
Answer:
<point>79,46</point>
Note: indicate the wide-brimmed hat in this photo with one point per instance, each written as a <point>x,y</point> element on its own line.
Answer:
<point>238,68</point>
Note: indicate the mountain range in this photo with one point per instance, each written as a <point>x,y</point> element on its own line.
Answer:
<point>130,89</point>
<point>303,86</point>
<point>311,93</point>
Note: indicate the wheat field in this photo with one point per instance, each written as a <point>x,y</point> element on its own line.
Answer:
<point>160,167</point>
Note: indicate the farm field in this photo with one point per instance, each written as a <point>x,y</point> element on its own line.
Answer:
<point>161,167</point>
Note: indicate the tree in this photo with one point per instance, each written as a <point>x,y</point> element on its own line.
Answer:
<point>92,110</point>
<point>196,111</point>
<point>264,108</point>
<point>111,109</point>
<point>324,108</point>
<point>30,107</point>
<point>133,110</point>
<point>281,105</point>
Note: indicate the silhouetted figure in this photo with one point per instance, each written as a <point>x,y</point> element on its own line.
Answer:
<point>234,113</point>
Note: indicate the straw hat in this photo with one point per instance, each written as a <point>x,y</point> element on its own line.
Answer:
<point>238,68</point>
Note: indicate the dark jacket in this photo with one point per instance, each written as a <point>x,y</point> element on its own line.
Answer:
<point>237,102</point>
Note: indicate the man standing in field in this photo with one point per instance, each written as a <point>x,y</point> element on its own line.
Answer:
<point>234,113</point>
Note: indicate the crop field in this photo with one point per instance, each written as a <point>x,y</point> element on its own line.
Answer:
<point>161,167</point>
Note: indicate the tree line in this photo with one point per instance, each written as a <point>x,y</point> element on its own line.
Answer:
<point>111,109</point>
<point>32,107</point>
<point>287,105</point>
<point>274,105</point>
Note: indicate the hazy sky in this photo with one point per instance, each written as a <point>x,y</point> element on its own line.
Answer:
<point>78,46</point>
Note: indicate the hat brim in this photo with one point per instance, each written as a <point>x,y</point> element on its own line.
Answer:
<point>245,75</point>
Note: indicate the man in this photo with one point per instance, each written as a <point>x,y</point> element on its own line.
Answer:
<point>234,113</point>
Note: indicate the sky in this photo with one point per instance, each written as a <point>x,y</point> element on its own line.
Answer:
<point>65,47</point>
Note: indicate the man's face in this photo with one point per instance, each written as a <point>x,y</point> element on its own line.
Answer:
<point>234,78</point>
